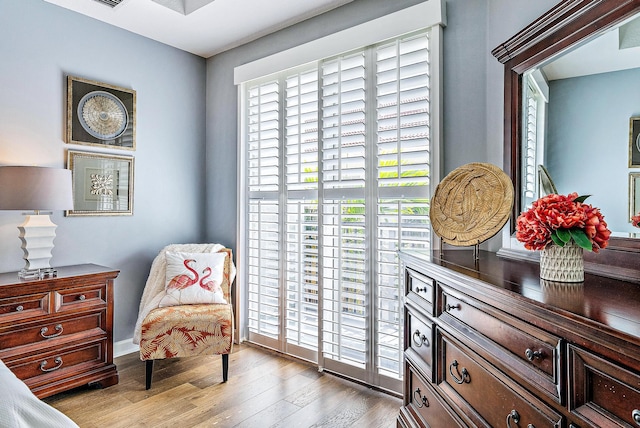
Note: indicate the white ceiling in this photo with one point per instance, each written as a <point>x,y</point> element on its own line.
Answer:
<point>213,27</point>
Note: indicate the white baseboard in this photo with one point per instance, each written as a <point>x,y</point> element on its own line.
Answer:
<point>124,347</point>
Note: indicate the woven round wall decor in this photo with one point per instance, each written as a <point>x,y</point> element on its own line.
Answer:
<point>471,204</point>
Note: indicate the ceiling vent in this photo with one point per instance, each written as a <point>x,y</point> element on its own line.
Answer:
<point>110,3</point>
<point>629,34</point>
<point>184,7</point>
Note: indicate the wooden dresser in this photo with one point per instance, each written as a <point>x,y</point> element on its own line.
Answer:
<point>488,344</point>
<point>56,333</point>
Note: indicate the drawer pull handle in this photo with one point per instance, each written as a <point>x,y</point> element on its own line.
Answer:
<point>57,361</point>
<point>19,308</point>
<point>636,416</point>
<point>44,330</point>
<point>421,400</point>
<point>82,297</point>
<point>421,289</point>
<point>456,306</point>
<point>515,416</point>
<point>461,378</point>
<point>533,355</point>
<point>421,339</point>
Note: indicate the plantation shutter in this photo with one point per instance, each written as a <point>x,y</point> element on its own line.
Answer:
<point>301,223</point>
<point>263,138</point>
<point>338,174</point>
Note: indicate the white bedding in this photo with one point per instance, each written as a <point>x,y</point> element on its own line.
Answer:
<point>19,408</point>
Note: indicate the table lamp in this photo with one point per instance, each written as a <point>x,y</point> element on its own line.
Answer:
<point>36,189</point>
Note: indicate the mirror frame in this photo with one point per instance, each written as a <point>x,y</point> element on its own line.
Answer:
<point>567,24</point>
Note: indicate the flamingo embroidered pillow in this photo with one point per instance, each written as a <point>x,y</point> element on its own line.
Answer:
<point>193,278</point>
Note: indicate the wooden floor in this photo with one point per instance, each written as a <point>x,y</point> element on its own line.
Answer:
<point>263,390</point>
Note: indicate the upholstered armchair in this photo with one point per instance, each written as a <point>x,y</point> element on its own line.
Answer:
<point>189,313</point>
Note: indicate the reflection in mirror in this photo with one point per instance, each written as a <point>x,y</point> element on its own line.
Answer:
<point>576,122</point>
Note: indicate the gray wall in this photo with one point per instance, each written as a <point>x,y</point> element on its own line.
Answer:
<point>588,136</point>
<point>178,131</point>
<point>40,44</point>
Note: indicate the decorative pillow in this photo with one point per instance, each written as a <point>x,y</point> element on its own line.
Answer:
<point>193,278</point>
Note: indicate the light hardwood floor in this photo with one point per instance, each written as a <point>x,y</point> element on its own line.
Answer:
<point>264,390</point>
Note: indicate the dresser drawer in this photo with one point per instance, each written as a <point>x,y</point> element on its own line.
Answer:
<point>76,298</point>
<point>44,331</point>
<point>58,363</point>
<point>480,389</point>
<point>22,307</point>
<point>424,404</point>
<point>601,392</point>
<point>421,287</point>
<point>535,354</point>
<point>420,337</point>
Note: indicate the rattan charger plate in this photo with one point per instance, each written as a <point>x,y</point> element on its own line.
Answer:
<point>471,204</point>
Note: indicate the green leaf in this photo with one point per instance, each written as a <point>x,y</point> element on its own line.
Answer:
<point>581,198</point>
<point>581,239</point>
<point>564,235</point>
<point>554,237</point>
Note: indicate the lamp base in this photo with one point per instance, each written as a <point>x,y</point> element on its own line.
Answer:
<point>37,234</point>
<point>37,273</point>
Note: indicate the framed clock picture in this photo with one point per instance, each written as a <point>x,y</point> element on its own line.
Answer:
<point>100,114</point>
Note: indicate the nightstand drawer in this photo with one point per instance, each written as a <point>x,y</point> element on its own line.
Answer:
<point>22,307</point>
<point>534,352</point>
<point>422,287</point>
<point>483,390</point>
<point>85,296</point>
<point>51,329</point>
<point>601,392</point>
<point>58,363</point>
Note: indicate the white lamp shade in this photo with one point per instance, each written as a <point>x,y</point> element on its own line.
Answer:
<point>35,188</point>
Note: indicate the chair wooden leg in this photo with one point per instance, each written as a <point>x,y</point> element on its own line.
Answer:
<point>225,367</point>
<point>149,372</point>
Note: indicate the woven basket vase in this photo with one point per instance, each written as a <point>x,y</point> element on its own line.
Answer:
<point>562,264</point>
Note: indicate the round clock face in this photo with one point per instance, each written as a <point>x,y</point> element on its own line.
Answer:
<point>103,115</point>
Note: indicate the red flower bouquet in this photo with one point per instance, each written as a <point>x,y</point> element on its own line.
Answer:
<point>558,219</point>
<point>635,220</point>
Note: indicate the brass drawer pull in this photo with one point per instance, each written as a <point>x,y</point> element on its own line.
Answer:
<point>57,361</point>
<point>421,339</point>
<point>44,330</point>
<point>636,416</point>
<point>456,306</point>
<point>462,378</point>
<point>533,355</point>
<point>19,308</point>
<point>515,416</point>
<point>420,400</point>
<point>82,297</point>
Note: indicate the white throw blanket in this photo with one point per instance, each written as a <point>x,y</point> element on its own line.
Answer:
<point>154,289</point>
<point>19,408</point>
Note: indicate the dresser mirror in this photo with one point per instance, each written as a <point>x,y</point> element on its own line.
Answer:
<point>568,106</point>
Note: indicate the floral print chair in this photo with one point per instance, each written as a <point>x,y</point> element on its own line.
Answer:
<point>184,330</point>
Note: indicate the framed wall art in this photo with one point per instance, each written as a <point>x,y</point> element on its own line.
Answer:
<point>634,194</point>
<point>102,184</point>
<point>634,142</point>
<point>99,114</point>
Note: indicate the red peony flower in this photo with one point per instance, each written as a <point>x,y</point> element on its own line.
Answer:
<point>559,218</point>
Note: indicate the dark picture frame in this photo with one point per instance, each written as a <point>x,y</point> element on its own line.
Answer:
<point>100,114</point>
<point>634,142</point>
<point>102,184</point>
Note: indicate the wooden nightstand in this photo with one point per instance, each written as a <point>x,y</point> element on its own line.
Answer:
<point>57,333</point>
